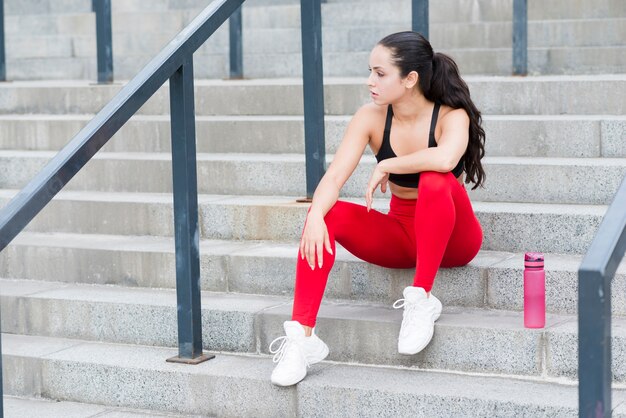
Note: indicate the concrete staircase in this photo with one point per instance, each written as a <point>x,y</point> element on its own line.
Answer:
<point>87,291</point>
<point>56,39</point>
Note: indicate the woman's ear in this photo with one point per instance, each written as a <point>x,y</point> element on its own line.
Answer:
<point>411,80</point>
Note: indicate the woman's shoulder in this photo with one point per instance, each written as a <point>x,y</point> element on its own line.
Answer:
<point>371,114</point>
<point>449,114</point>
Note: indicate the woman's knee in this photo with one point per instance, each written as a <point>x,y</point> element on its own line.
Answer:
<point>432,181</point>
<point>339,211</point>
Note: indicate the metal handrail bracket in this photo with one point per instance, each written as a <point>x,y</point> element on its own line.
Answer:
<point>594,309</point>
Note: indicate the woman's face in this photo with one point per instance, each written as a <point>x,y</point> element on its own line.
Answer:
<point>385,83</point>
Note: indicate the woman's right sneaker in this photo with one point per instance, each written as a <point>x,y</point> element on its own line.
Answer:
<point>295,353</point>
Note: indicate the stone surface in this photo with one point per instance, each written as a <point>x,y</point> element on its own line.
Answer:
<point>509,179</point>
<point>540,95</point>
<point>555,139</point>
<point>507,135</point>
<point>114,314</point>
<point>136,377</point>
<point>492,279</point>
<point>507,226</point>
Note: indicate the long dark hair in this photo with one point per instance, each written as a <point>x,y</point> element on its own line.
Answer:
<point>440,81</point>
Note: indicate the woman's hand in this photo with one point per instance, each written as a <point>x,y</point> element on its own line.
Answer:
<point>314,239</point>
<point>379,177</point>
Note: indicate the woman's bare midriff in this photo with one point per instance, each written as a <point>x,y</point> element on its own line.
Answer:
<point>408,192</point>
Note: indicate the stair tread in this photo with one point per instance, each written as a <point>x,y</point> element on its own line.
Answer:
<point>300,158</point>
<point>261,248</point>
<point>44,408</point>
<point>325,376</point>
<point>460,317</point>
<point>252,200</point>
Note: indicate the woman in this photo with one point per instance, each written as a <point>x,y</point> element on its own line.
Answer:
<point>426,135</point>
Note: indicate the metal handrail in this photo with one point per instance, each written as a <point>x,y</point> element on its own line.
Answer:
<point>104,42</point>
<point>173,63</point>
<point>594,310</point>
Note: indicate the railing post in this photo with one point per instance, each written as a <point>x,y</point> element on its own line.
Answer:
<point>594,345</point>
<point>520,37</point>
<point>236,45</point>
<point>1,381</point>
<point>187,234</point>
<point>419,13</point>
<point>3,77</point>
<point>3,65</point>
<point>594,309</point>
<point>313,93</point>
<point>104,40</point>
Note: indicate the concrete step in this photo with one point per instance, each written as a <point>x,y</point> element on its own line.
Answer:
<point>57,68</point>
<point>543,95</point>
<point>29,7</point>
<point>346,37</point>
<point>509,179</point>
<point>77,25</point>
<point>138,377</point>
<point>465,340</point>
<point>46,408</point>
<point>512,227</point>
<point>494,61</point>
<point>493,279</point>
<point>555,60</point>
<point>337,12</point>
<point>507,135</point>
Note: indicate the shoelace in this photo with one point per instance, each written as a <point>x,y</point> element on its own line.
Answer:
<point>280,352</point>
<point>411,310</point>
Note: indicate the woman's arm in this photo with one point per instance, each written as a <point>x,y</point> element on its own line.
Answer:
<point>442,158</point>
<point>315,235</point>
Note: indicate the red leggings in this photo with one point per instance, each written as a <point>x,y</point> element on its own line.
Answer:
<point>437,229</point>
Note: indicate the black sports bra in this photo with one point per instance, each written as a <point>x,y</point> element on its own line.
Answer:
<point>410,180</point>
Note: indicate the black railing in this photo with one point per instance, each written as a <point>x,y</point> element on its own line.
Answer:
<point>420,17</point>
<point>313,85</point>
<point>104,40</point>
<point>594,310</point>
<point>520,37</point>
<point>3,65</point>
<point>236,45</point>
<point>174,62</point>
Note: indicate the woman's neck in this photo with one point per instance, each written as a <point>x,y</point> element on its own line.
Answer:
<point>411,108</point>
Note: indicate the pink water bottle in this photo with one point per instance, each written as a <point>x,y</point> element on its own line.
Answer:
<point>534,291</point>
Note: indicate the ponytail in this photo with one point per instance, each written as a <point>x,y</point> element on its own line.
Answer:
<point>440,81</point>
<point>447,87</point>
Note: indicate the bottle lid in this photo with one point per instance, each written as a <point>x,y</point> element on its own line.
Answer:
<point>533,257</point>
<point>533,260</point>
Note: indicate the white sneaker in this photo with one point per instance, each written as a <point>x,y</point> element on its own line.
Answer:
<point>295,353</point>
<point>418,319</point>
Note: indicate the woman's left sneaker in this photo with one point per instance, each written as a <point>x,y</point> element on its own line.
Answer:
<point>418,319</point>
